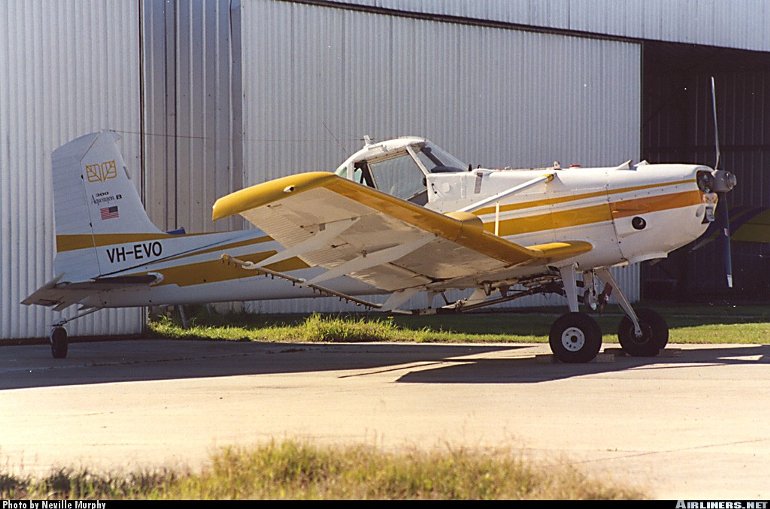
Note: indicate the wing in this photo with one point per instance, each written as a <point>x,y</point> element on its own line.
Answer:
<point>392,244</point>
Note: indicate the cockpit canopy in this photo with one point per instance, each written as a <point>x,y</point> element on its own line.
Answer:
<point>400,166</point>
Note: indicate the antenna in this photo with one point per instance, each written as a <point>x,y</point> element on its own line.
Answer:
<point>342,147</point>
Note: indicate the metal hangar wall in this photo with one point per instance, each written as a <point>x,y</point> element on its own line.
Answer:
<point>67,68</point>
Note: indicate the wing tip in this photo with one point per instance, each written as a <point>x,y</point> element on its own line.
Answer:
<point>267,192</point>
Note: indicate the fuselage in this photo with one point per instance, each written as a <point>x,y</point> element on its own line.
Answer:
<point>628,214</point>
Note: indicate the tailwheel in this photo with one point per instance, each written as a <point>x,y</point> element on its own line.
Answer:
<point>59,343</point>
<point>654,335</point>
<point>575,337</point>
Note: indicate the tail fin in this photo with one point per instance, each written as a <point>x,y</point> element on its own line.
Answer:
<point>95,203</point>
<point>92,189</point>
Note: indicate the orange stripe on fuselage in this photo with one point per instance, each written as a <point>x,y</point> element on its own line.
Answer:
<point>594,213</point>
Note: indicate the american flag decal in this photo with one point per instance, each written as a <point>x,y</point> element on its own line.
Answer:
<point>109,212</point>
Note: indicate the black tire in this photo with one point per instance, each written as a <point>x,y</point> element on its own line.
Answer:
<point>575,337</point>
<point>59,343</point>
<point>654,334</point>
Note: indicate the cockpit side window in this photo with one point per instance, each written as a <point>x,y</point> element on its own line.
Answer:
<point>399,177</point>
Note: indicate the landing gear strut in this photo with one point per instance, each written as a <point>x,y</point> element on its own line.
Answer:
<point>642,333</point>
<point>576,337</point>
<point>58,337</point>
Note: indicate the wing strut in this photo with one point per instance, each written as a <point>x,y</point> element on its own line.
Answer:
<point>373,259</point>
<point>326,292</point>
<point>471,304</point>
<point>547,177</point>
<point>327,232</point>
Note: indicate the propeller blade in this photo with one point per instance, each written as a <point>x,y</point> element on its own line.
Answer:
<point>716,123</point>
<point>723,216</point>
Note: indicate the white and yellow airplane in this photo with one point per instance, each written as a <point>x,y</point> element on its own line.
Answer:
<point>400,217</point>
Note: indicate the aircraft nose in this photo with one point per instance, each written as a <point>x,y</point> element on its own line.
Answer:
<point>724,181</point>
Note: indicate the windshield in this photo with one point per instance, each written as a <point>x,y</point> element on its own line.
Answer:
<point>437,160</point>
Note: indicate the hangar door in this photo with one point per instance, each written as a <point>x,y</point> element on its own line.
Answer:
<point>678,125</point>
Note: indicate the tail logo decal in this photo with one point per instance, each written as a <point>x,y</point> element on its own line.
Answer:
<point>104,197</point>
<point>101,172</point>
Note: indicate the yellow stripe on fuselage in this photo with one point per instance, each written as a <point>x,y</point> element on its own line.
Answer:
<point>215,271</point>
<point>72,242</point>
<point>576,197</point>
<point>189,273</point>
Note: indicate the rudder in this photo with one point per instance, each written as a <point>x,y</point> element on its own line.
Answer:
<point>93,198</point>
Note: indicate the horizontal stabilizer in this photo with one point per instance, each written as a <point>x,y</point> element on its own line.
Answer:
<point>60,295</point>
<point>755,228</point>
<point>747,224</point>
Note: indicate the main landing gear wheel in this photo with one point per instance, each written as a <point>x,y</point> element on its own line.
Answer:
<point>59,343</point>
<point>575,337</point>
<point>654,336</point>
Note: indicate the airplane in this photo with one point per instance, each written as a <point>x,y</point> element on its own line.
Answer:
<point>400,217</point>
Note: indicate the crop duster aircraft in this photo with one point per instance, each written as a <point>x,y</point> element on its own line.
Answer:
<point>400,217</point>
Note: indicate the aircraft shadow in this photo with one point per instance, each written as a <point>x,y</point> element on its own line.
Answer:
<point>146,360</point>
<point>132,360</point>
<point>527,370</point>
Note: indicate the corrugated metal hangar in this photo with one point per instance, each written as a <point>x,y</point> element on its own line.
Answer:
<point>212,96</point>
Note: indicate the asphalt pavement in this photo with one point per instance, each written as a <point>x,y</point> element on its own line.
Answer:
<point>691,424</point>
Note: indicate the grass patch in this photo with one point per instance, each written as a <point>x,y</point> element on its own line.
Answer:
<point>315,327</point>
<point>688,324</point>
<point>296,470</point>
